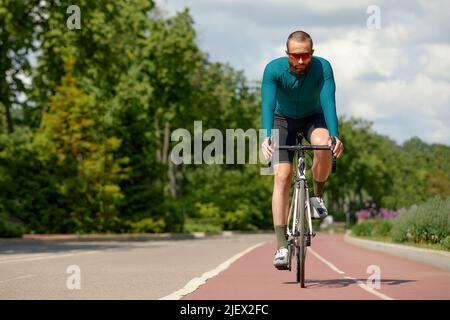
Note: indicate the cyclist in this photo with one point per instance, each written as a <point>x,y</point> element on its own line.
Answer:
<point>298,95</point>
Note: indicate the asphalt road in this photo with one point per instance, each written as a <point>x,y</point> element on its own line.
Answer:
<point>111,270</point>
<point>225,267</point>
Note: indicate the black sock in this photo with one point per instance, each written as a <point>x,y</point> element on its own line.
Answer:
<point>318,188</point>
<point>280,231</point>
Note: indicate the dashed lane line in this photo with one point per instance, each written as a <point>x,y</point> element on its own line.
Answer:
<point>358,282</point>
<point>47,257</point>
<point>18,278</point>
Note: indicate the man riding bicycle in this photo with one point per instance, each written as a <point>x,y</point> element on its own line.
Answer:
<point>298,95</point>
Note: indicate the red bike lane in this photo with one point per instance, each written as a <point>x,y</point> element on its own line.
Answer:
<point>335,270</point>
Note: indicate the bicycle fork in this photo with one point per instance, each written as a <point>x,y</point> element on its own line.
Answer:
<point>292,230</point>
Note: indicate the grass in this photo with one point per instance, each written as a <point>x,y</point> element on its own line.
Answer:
<point>202,225</point>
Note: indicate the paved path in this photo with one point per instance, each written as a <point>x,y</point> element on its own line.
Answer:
<point>233,267</point>
<point>112,270</point>
<point>335,270</point>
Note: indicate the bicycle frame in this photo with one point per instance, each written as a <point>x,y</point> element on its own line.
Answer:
<point>292,230</point>
<point>299,230</point>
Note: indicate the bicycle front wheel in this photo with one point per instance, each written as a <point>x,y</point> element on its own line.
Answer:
<point>301,247</point>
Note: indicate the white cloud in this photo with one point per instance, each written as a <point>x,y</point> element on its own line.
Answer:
<point>359,52</point>
<point>327,6</point>
<point>397,77</point>
<point>402,109</point>
<point>436,61</point>
<point>365,109</point>
<point>396,33</point>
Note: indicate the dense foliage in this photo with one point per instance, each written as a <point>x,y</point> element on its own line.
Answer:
<point>428,223</point>
<point>85,144</point>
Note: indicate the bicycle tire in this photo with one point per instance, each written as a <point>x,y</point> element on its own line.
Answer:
<point>290,254</point>
<point>297,255</point>
<point>296,235</point>
<point>301,256</point>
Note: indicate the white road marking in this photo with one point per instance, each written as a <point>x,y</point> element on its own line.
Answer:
<point>46,257</point>
<point>329,264</point>
<point>359,283</point>
<point>18,278</point>
<point>20,256</point>
<point>193,285</point>
<point>369,289</point>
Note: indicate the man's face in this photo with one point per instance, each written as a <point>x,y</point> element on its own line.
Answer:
<point>299,55</point>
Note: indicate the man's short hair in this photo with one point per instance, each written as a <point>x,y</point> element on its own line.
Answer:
<point>299,36</point>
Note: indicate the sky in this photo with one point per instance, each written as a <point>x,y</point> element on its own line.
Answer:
<point>391,59</point>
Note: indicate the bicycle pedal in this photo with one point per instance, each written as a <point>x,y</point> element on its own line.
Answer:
<point>313,234</point>
<point>282,268</point>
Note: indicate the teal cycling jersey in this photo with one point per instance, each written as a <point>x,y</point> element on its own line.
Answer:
<point>298,96</point>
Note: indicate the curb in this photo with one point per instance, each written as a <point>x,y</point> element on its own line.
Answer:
<point>437,258</point>
<point>33,238</point>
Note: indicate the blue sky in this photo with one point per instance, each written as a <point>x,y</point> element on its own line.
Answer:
<point>397,76</point>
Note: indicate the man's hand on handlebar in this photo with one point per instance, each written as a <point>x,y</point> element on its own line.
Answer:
<point>338,148</point>
<point>266,148</point>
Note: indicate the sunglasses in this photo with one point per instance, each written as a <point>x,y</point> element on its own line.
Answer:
<point>303,55</point>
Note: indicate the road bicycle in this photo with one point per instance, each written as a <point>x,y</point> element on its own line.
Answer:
<point>300,231</point>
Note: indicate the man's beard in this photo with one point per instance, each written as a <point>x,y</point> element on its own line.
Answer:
<point>299,68</point>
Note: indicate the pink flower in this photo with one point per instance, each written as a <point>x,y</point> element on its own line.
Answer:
<point>363,213</point>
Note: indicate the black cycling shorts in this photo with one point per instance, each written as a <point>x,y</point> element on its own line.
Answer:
<point>287,133</point>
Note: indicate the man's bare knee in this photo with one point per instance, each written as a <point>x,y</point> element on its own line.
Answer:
<point>324,156</point>
<point>320,140</point>
<point>283,176</point>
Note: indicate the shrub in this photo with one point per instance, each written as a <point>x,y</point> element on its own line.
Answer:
<point>372,228</point>
<point>445,243</point>
<point>148,225</point>
<point>173,218</point>
<point>10,229</point>
<point>239,219</point>
<point>207,210</point>
<point>362,229</point>
<point>426,223</point>
<point>203,225</point>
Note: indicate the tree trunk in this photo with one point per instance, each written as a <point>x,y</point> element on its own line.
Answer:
<point>4,100</point>
<point>180,183</point>
<point>172,169</point>
<point>172,173</point>
<point>165,153</point>
<point>360,196</point>
<point>5,89</point>
<point>338,200</point>
<point>158,141</point>
<point>9,120</point>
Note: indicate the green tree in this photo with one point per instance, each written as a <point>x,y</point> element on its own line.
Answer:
<point>72,134</point>
<point>18,19</point>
